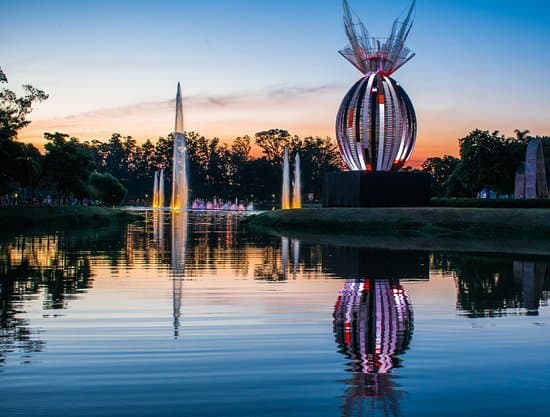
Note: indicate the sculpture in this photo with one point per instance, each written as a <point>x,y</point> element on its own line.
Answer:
<point>376,123</point>
<point>531,180</point>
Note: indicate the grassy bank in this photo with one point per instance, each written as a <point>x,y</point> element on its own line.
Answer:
<point>433,221</point>
<point>14,218</point>
<point>478,203</point>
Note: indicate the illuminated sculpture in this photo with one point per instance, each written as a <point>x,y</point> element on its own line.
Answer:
<point>376,124</point>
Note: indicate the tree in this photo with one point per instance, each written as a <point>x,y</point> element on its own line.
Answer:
<point>441,170</point>
<point>273,143</point>
<point>488,160</point>
<point>67,165</point>
<point>106,188</point>
<point>318,156</point>
<point>19,163</point>
<point>14,110</point>
<point>20,166</point>
<point>522,136</point>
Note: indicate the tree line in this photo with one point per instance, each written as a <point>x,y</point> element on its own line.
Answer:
<point>486,159</point>
<point>119,168</point>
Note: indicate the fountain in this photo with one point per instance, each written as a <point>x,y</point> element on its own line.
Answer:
<point>220,205</point>
<point>285,198</point>
<point>160,198</point>
<point>179,171</point>
<point>297,186</point>
<point>156,190</point>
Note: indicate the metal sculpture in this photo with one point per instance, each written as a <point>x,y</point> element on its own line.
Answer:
<point>376,123</point>
<point>531,178</point>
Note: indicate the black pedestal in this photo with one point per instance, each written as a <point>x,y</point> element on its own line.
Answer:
<point>377,189</point>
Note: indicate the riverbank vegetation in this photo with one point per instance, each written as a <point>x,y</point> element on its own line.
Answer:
<point>53,218</point>
<point>430,221</point>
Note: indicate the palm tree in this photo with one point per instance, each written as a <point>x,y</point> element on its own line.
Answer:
<point>522,135</point>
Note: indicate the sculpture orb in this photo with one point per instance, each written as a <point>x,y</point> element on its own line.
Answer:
<point>376,125</point>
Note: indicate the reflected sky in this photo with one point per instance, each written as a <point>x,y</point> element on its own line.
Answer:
<point>198,314</point>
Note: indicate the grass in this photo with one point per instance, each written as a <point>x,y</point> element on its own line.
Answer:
<point>431,221</point>
<point>15,218</point>
<point>478,203</point>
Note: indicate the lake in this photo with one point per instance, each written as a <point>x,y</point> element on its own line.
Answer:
<point>197,316</point>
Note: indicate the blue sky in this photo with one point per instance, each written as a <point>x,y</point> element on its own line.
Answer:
<point>479,63</point>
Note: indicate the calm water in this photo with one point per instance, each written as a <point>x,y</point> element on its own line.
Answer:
<point>195,316</point>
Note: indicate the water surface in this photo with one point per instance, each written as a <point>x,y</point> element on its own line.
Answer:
<point>196,316</point>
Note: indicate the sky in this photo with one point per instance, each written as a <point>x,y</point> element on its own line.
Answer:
<point>247,66</point>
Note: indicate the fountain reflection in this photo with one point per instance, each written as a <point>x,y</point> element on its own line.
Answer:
<point>179,244</point>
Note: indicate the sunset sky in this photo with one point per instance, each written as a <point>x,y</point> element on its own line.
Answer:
<point>246,66</point>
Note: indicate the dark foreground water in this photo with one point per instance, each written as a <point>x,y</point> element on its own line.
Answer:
<point>193,316</point>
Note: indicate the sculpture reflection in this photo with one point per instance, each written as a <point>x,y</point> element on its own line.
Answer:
<point>531,277</point>
<point>373,324</point>
<point>493,285</point>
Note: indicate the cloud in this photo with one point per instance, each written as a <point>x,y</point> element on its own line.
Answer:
<point>307,110</point>
<point>286,92</point>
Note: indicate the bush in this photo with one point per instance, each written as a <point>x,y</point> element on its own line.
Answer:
<point>107,189</point>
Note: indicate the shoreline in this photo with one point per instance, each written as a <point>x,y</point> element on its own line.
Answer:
<point>63,217</point>
<point>419,222</point>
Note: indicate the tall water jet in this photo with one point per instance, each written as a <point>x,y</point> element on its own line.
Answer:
<point>285,198</point>
<point>179,171</point>
<point>297,186</point>
<point>160,199</point>
<point>156,190</point>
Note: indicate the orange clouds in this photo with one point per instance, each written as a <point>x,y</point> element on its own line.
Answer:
<point>301,111</point>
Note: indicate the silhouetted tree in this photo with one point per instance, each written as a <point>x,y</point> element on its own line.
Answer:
<point>441,170</point>
<point>14,110</point>
<point>273,143</point>
<point>19,163</point>
<point>106,188</point>
<point>67,165</point>
<point>487,159</point>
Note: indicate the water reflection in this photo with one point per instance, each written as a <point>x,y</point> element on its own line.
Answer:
<point>373,324</point>
<point>179,244</point>
<point>493,285</point>
<point>359,262</point>
<point>531,277</point>
<point>55,269</point>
